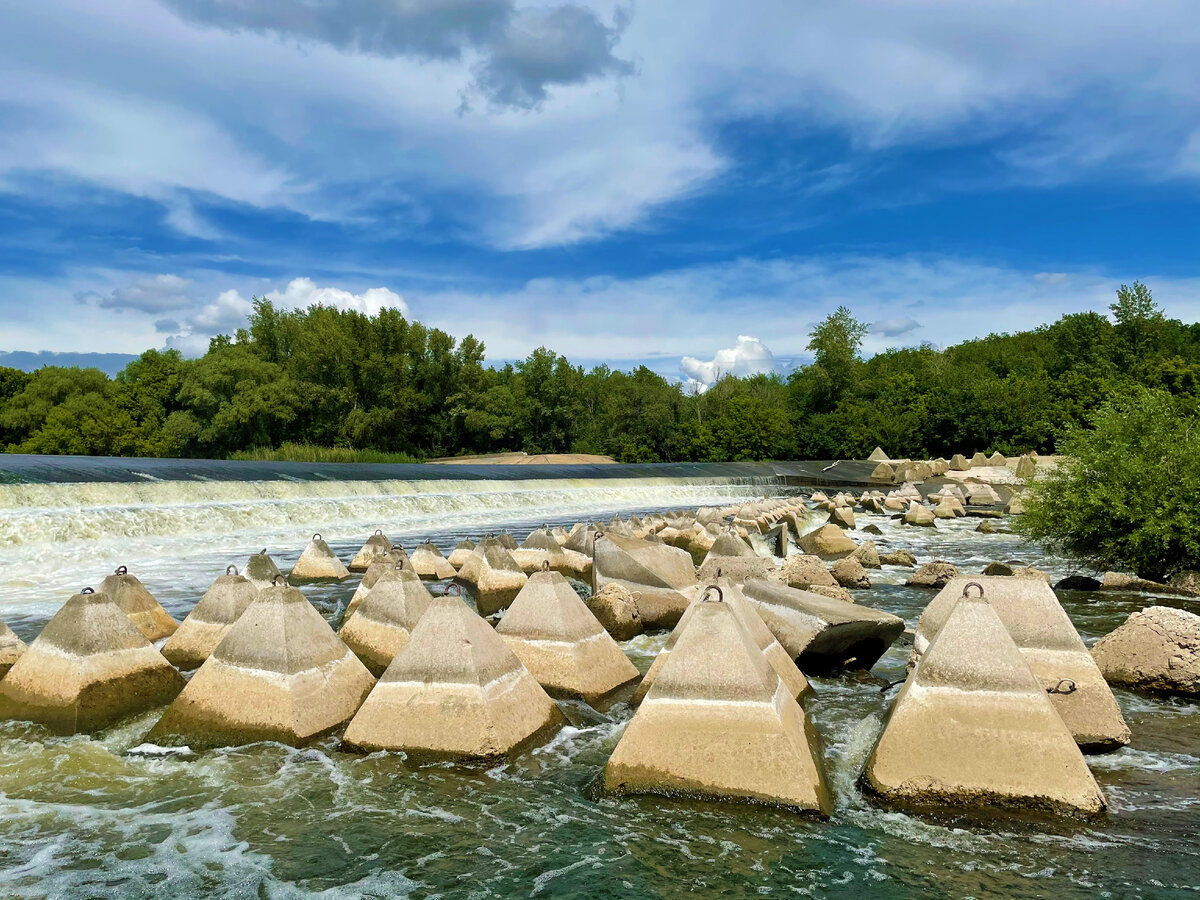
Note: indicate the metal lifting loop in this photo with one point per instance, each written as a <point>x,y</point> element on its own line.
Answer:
<point>317,536</point>
<point>545,565</point>
<point>970,584</point>
<point>263,551</point>
<point>452,587</point>
<point>122,570</point>
<point>707,590</point>
<point>88,590</point>
<point>1064,686</point>
<point>278,579</point>
<point>231,570</point>
<point>378,532</point>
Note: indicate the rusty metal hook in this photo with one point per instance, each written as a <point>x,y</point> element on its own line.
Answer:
<point>970,584</point>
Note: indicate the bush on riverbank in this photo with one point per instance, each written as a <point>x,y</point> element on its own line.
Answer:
<point>1127,496</point>
<point>311,453</point>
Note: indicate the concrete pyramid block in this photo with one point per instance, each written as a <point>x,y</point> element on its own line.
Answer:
<point>878,456</point>
<point>561,643</point>
<point>658,573</point>
<point>428,562</point>
<point>779,659</point>
<point>90,667</point>
<point>1052,648</point>
<point>460,553</point>
<point>377,546</point>
<point>538,549</point>
<point>582,538</point>
<point>261,570</point>
<point>455,690</point>
<point>718,722</point>
<point>318,562</point>
<point>222,605</point>
<point>396,559</point>
<point>822,634</point>
<point>139,604</point>
<point>972,726</point>
<point>11,648</point>
<point>381,624</point>
<point>494,574</point>
<point>279,674</point>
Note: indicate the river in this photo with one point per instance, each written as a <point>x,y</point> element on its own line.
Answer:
<point>104,816</point>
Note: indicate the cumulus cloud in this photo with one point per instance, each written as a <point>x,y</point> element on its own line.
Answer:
<point>156,294</point>
<point>895,327</point>
<point>523,51</point>
<point>301,293</point>
<point>749,356</point>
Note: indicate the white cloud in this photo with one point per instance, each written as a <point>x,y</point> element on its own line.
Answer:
<point>156,294</point>
<point>895,327</point>
<point>301,293</point>
<point>749,356</point>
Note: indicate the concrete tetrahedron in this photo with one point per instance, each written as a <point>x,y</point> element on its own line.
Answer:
<point>318,562</point>
<point>381,624</point>
<point>261,570</point>
<point>1056,654</point>
<point>11,648</point>
<point>454,690</point>
<point>972,726</point>
<point>428,562</point>
<point>198,635</point>
<point>377,546</point>
<point>718,722</point>
<point>139,604</point>
<point>279,674</point>
<point>88,668</point>
<point>656,572</point>
<point>561,643</point>
<point>495,575</point>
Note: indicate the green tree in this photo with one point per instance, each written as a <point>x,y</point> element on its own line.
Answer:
<point>1127,493</point>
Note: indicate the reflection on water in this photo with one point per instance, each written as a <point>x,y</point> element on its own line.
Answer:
<point>86,817</point>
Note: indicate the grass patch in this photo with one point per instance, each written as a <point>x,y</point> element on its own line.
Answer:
<point>312,453</point>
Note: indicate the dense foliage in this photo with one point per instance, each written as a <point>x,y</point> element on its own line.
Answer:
<point>1127,495</point>
<point>337,379</point>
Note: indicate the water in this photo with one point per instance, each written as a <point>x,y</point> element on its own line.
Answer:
<point>102,816</point>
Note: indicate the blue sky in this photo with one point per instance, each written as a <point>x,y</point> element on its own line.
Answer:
<point>686,184</point>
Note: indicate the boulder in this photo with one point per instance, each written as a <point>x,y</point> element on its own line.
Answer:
<point>1077,583</point>
<point>877,455</point>
<point>986,527</point>
<point>381,624</point>
<point>827,542</point>
<point>561,643</point>
<point>655,572</point>
<point>849,573</point>
<point>803,571</point>
<point>752,624</point>
<point>616,609</point>
<point>279,674</point>
<point>11,648</point>
<point>973,727</point>
<point>458,556</point>
<point>455,690</point>
<point>842,516</point>
<point>821,633</point>
<point>261,570</point>
<point>1186,583</point>
<point>1157,649</point>
<point>1031,572</point>
<point>718,722</point>
<point>997,569</point>
<point>318,563</point>
<point>139,604</point>
<point>90,667</point>
<point>428,562</point>
<point>919,515</point>
<point>376,547</point>
<point>898,558</point>
<point>1051,647</point>
<point>933,575</point>
<point>1120,581</point>
<point>959,463</point>
<point>872,529</point>
<point>198,635</point>
<point>867,555</point>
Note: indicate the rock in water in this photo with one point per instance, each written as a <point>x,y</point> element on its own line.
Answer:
<point>428,562</point>
<point>850,573</point>
<point>656,573</point>
<point>933,575</point>
<point>318,563</point>
<point>460,553</point>
<point>90,667</point>
<point>561,643</point>
<point>381,624</point>
<point>454,690</point>
<point>139,604</point>
<point>261,570</point>
<point>616,609</point>
<point>898,558</point>
<point>376,547</point>
<point>11,648</point>
<point>827,542</point>
<point>823,634</point>
<point>1052,648</point>
<point>279,674</point>
<point>754,627</point>
<point>867,555</point>
<point>719,722</point>
<point>973,727</point>
<point>209,620</point>
<point>495,575</point>
<point>1156,649</point>
<point>1077,583</point>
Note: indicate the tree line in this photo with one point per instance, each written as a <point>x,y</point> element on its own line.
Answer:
<point>334,378</point>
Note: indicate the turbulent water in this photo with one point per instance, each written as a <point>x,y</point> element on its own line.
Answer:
<point>104,816</point>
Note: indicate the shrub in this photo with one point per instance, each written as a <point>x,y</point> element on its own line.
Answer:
<point>1127,494</point>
